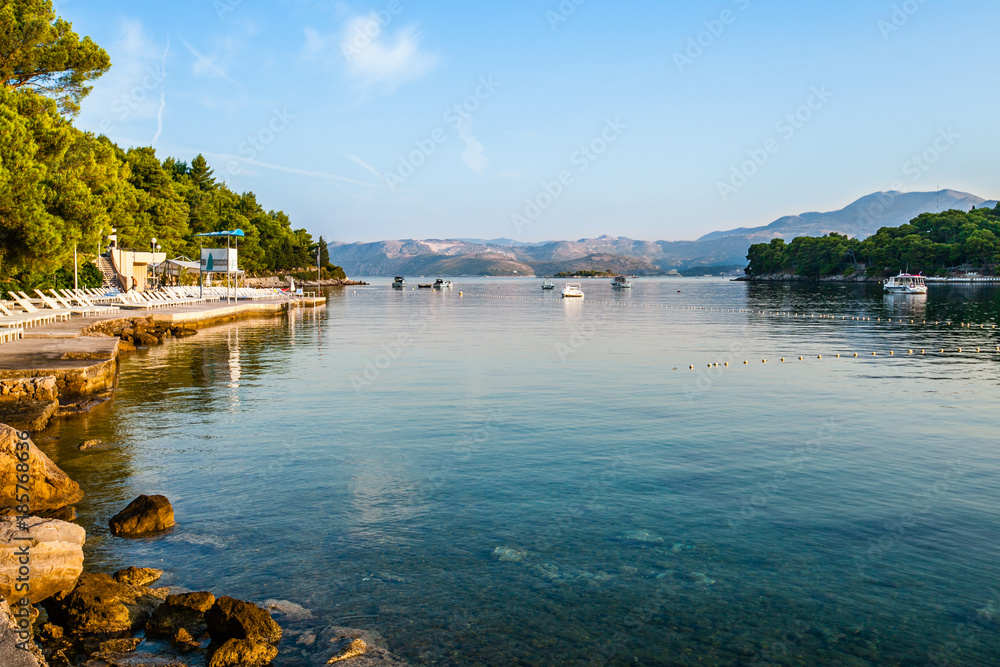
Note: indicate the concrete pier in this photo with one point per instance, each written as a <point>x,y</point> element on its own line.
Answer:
<point>84,361</point>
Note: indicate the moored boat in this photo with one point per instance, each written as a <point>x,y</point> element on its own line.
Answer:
<point>548,284</point>
<point>621,282</point>
<point>905,283</point>
<point>399,282</point>
<point>440,283</point>
<point>573,290</point>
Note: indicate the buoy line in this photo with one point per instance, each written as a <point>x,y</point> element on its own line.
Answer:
<point>902,321</point>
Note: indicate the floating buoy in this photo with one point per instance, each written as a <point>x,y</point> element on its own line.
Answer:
<point>911,351</point>
<point>763,361</point>
<point>838,356</point>
<point>745,362</point>
<point>874,354</point>
<point>891,353</point>
<point>819,356</point>
<point>727,363</point>
<point>692,367</point>
<point>782,360</point>
<point>855,355</point>
<point>801,358</point>
<point>959,349</point>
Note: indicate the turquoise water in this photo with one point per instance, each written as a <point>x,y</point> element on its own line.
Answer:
<point>505,477</point>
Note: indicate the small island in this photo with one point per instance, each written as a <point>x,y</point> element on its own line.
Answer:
<point>585,274</point>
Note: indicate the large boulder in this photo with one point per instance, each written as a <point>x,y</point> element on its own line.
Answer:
<point>230,618</point>
<point>55,557</point>
<point>145,515</point>
<point>16,650</point>
<point>243,653</point>
<point>48,487</point>
<point>185,611</point>
<point>101,605</point>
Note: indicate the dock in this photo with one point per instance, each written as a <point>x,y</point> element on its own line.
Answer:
<point>83,361</point>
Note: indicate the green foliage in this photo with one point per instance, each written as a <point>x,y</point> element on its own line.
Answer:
<point>40,53</point>
<point>585,274</point>
<point>61,188</point>
<point>932,243</point>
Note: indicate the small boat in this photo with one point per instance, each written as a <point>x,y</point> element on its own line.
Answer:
<point>905,283</point>
<point>425,285</point>
<point>621,282</point>
<point>399,282</point>
<point>573,290</point>
<point>440,283</point>
<point>548,284</point>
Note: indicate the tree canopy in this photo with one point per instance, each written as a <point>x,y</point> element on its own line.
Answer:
<point>932,243</point>
<point>39,52</point>
<point>62,188</point>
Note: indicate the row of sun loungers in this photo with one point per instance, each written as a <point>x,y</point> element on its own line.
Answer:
<point>59,305</point>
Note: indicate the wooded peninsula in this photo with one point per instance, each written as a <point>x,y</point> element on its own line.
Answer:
<point>934,244</point>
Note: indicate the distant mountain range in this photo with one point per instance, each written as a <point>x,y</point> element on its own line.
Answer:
<point>507,257</point>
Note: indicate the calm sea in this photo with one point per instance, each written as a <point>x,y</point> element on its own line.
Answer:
<point>505,477</point>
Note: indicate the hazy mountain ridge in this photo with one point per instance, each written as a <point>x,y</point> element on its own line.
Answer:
<point>624,255</point>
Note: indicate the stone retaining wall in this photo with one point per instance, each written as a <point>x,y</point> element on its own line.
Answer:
<point>22,389</point>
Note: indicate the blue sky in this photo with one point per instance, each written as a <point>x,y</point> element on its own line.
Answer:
<point>541,119</point>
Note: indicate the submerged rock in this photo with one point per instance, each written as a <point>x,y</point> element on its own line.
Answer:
<point>185,611</point>
<point>145,515</point>
<point>49,488</point>
<point>510,554</point>
<point>352,650</point>
<point>56,556</point>
<point>643,536</point>
<point>89,444</point>
<point>336,643</point>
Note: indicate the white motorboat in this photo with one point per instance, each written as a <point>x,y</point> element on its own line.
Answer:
<point>621,282</point>
<point>905,283</point>
<point>440,283</point>
<point>573,290</point>
<point>399,282</point>
<point>548,284</point>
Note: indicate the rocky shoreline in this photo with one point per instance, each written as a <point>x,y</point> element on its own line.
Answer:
<point>55,612</point>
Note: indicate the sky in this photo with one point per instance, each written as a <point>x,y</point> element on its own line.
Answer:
<point>553,119</point>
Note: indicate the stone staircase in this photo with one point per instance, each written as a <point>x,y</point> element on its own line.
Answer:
<point>108,271</point>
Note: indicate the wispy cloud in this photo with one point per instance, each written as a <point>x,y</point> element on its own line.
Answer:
<point>210,67</point>
<point>288,170</point>
<point>374,59</point>
<point>364,165</point>
<point>474,155</point>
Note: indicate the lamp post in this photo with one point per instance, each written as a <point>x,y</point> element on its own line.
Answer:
<point>152,249</point>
